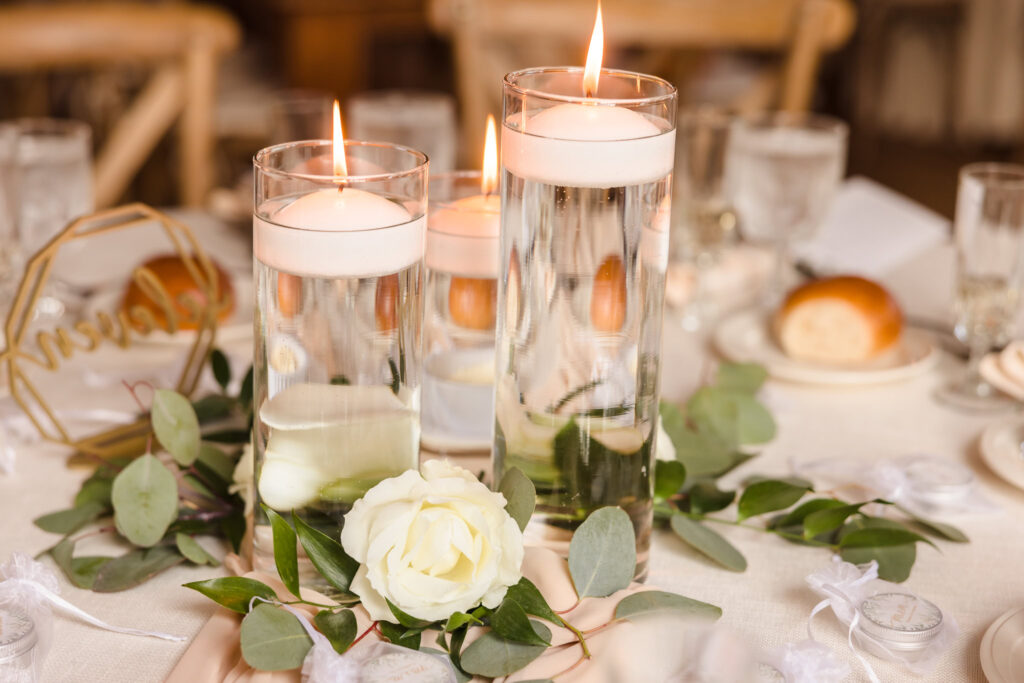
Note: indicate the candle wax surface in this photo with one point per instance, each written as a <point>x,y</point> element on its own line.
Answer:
<point>590,122</point>
<point>476,216</point>
<point>350,209</point>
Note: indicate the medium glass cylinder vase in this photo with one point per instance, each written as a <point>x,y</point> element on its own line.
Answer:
<point>586,191</point>
<point>338,270</point>
<point>461,303</point>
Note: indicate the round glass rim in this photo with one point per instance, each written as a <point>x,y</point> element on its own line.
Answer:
<point>1002,175</point>
<point>260,161</point>
<point>794,119</point>
<point>456,176</point>
<point>510,84</point>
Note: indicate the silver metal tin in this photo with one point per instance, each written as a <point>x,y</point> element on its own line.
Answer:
<point>937,480</point>
<point>900,621</point>
<point>17,640</point>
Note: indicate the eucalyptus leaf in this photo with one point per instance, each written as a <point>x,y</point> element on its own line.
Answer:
<point>327,555</point>
<point>880,538</point>
<point>669,477</point>
<point>234,592</point>
<point>245,392</point>
<point>520,496</point>
<point>176,425</point>
<point>135,567</point>
<point>511,623</point>
<point>212,407</point>
<point>192,551</point>
<point>743,377</point>
<point>529,597</point>
<point>460,619</point>
<point>273,639</point>
<point>894,562</point>
<point>81,571</point>
<point>285,553</point>
<point>768,496</point>
<point>95,490</point>
<point>829,519</point>
<point>145,500</point>
<point>705,497</point>
<point>602,553</point>
<point>735,416</point>
<point>405,619</point>
<point>233,527</point>
<point>339,628</point>
<point>708,542</point>
<point>217,461</point>
<point>940,529</point>
<point>491,655</point>
<point>655,601</point>
<point>701,451</point>
<point>221,368</point>
<point>400,635</point>
<point>69,521</point>
<point>797,516</point>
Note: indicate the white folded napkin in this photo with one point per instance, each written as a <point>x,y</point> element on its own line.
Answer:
<point>1005,369</point>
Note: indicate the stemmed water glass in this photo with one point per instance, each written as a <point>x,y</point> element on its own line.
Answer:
<point>989,236</point>
<point>781,173</point>
<point>703,220</point>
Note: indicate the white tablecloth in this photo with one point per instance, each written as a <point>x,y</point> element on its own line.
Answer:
<point>768,604</point>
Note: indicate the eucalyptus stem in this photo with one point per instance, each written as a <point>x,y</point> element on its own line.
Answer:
<point>579,636</point>
<point>764,530</point>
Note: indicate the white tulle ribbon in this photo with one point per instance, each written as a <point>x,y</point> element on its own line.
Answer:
<point>809,662</point>
<point>31,585</point>
<point>844,585</point>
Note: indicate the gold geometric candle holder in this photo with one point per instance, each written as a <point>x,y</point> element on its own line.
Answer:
<point>46,349</point>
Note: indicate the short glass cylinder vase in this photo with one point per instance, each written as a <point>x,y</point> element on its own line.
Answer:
<point>338,270</point>
<point>586,194</point>
<point>461,303</point>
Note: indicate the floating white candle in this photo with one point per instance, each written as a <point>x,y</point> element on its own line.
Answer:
<point>463,236</point>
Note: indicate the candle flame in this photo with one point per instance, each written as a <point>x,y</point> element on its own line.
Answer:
<point>340,165</point>
<point>489,180</point>
<point>592,72</point>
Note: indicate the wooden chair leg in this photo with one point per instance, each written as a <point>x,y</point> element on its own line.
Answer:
<point>196,141</point>
<point>132,141</point>
<point>804,54</point>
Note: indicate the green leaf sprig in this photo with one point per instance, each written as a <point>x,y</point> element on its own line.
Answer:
<point>602,561</point>
<point>161,501</point>
<point>712,435</point>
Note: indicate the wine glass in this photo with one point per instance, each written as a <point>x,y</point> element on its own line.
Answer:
<point>989,238</point>
<point>703,220</point>
<point>781,173</point>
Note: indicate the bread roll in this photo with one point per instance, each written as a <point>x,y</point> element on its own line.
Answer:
<point>174,277</point>
<point>838,320</point>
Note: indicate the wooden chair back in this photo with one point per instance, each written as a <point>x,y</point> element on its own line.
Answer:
<point>182,43</point>
<point>800,31</point>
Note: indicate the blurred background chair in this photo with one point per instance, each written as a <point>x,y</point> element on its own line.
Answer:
<point>179,44</point>
<point>491,37</point>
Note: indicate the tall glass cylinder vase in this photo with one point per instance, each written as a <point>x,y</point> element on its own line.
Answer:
<point>584,247</point>
<point>338,273</point>
<point>461,301</point>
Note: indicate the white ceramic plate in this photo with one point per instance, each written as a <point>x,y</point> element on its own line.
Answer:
<point>1002,648</point>
<point>1000,449</point>
<point>745,337</point>
<point>236,328</point>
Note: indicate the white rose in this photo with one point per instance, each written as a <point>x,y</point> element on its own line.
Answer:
<point>433,544</point>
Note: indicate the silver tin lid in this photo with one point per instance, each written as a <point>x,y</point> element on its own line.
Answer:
<point>900,621</point>
<point>17,634</point>
<point>937,479</point>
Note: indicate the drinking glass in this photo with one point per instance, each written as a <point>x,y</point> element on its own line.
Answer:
<point>989,236</point>
<point>460,311</point>
<point>585,214</point>
<point>420,120</point>
<point>782,172</point>
<point>54,168</point>
<point>702,218</point>
<point>8,211</point>
<point>337,262</point>
<point>300,115</point>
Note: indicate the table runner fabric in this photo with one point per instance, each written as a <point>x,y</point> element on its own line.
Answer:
<point>649,650</point>
<point>768,605</point>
